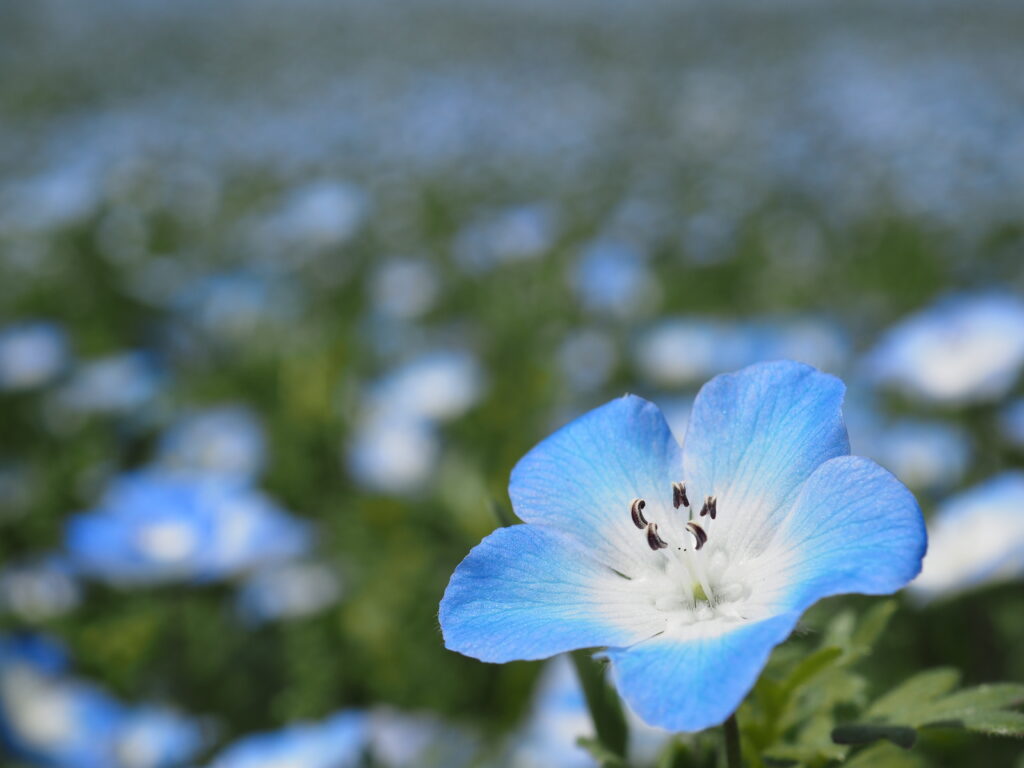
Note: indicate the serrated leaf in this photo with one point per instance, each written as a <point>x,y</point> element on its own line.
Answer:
<point>994,723</point>
<point>865,733</point>
<point>809,667</point>
<point>604,757</point>
<point>982,698</point>
<point>870,628</point>
<point>920,690</point>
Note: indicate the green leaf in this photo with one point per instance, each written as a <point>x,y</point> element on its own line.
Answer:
<point>604,757</point>
<point>809,667</point>
<point>865,733</point>
<point>883,756</point>
<point>870,628</point>
<point>603,703</point>
<point>994,723</point>
<point>921,689</point>
<point>995,696</point>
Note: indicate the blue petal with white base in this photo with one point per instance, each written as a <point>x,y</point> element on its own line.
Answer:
<point>688,566</point>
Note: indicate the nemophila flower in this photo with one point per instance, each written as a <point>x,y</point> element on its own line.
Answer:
<point>1011,422</point>
<point>225,440</point>
<point>288,591</point>
<point>150,737</point>
<point>976,538</point>
<point>53,719</point>
<point>31,354</point>
<point>689,564</point>
<point>111,385</point>
<point>338,742</point>
<point>397,739</point>
<point>962,349</point>
<point>613,277</point>
<point>687,350</point>
<point>39,589</point>
<point>155,526</point>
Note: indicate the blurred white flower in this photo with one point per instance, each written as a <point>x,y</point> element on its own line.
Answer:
<point>39,590</point>
<point>116,384</point>
<point>975,538</point>
<point>405,288</point>
<point>393,452</point>
<point>963,349</point>
<point>926,455</point>
<point>612,277</point>
<point>288,591</point>
<point>514,234</point>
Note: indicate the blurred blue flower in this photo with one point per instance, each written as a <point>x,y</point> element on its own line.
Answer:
<point>235,307</point>
<point>149,737</point>
<point>39,589</point>
<point>1011,422</point>
<point>49,718</point>
<point>338,742</point>
<point>405,288</point>
<point>689,608</point>
<point>435,386</point>
<point>612,277</point>
<point>392,452</point>
<point>399,739</point>
<point>962,349</point>
<point>32,354</point>
<point>226,440</point>
<point>155,526</point>
<point>318,214</point>
<point>975,538</point>
<point>111,385</point>
<point>288,591</point>
<point>514,234</point>
<point>687,350</point>
<point>926,455</point>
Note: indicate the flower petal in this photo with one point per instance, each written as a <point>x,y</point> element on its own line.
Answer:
<point>690,685</point>
<point>853,528</point>
<point>754,436</point>
<point>529,592</point>
<point>582,478</point>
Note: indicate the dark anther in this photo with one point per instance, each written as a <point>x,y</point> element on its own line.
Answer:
<point>636,511</point>
<point>710,507</point>
<point>654,541</point>
<point>699,536</point>
<point>679,495</point>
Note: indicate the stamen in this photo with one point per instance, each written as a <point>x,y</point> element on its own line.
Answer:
<point>710,507</point>
<point>654,541</point>
<point>699,536</point>
<point>636,511</point>
<point>679,495</point>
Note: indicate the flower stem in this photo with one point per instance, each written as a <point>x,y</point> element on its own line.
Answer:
<point>732,743</point>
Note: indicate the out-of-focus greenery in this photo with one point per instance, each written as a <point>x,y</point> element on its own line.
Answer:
<point>788,252</point>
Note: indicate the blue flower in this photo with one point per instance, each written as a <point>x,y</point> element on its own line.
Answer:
<point>963,349</point>
<point>689,564</point>
<point>337,742</point>
<point>975,538</point>
<point>51,718</point>
<point>31,354</point>
<point>150,737</point>
<point>227,440</point>
<point>155,526</point>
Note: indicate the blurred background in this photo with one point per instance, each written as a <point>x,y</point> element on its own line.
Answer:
<point>286,288</point>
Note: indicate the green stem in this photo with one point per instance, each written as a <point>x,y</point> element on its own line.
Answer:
<point>732,743</point>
